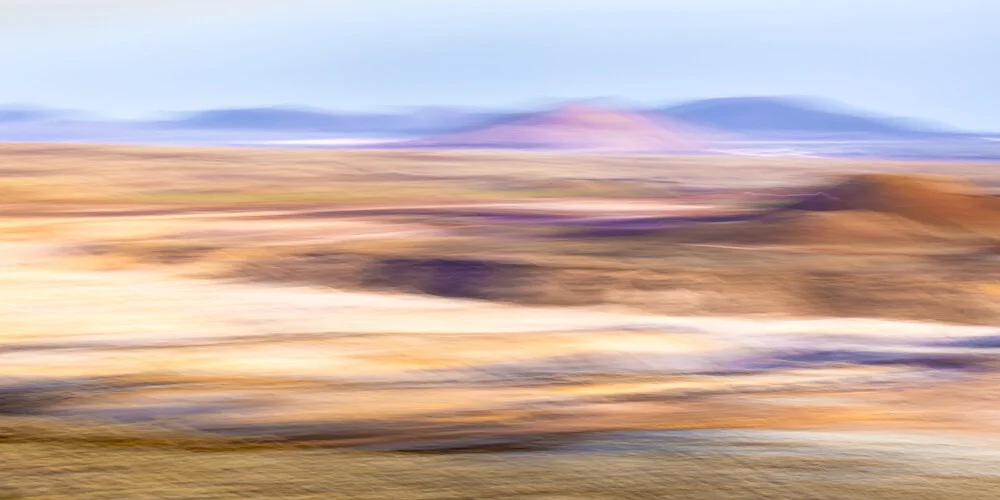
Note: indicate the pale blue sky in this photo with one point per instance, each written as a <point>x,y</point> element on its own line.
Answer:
<point>931,59</point>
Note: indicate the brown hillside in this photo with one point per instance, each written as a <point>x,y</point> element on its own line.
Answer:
<point>823,228</point>
<point>939,201</point>
<point>876,209</point>
<point>578,128</point>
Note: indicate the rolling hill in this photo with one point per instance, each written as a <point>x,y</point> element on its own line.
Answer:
<point>578,127</point>
<point>780,116</point>
<point>894,210</point>
<point>413,121</point>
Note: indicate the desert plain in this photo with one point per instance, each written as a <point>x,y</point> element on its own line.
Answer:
<point>236,323</point>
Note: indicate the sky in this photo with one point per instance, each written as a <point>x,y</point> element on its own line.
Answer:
<point>930,59</point>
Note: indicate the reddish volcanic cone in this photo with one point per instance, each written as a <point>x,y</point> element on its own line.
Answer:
<point>578,127</point>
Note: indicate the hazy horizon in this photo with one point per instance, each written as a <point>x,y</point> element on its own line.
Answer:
<point>126,60</point>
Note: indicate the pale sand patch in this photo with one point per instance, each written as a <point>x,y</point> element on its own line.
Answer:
<point>251,353</point>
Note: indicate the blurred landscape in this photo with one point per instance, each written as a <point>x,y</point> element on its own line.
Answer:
<point>822,325</point>
<point>521,249</point>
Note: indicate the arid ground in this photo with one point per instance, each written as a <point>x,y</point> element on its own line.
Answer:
<point>211,323</point>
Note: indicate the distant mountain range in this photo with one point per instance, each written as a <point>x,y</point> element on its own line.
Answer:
<point>736,119</point>
<point>746,116</point>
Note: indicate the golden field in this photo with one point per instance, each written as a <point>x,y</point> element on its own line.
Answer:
<point>212,323</point>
